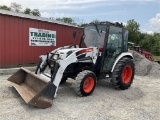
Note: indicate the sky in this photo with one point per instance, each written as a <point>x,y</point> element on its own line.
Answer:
<point>145,12</point>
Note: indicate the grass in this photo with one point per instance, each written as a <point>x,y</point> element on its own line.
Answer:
<point>156,57</point>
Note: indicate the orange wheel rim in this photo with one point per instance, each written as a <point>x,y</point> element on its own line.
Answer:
<point>127,74</point>
<point>88,84</point>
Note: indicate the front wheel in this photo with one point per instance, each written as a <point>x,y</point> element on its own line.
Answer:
<point>85,83</point>
<point>123,74</point>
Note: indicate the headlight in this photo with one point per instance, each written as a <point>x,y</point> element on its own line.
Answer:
<point>55,57</point>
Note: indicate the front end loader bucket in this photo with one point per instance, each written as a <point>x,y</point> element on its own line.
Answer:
<point>33,89</point>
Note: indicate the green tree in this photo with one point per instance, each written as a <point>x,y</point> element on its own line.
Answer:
<point>134,34</point>
<point>4,7</point>
<point>67,20</point>
<point>147,42</point>
<point>156,44</point>
<point>151,43</point>
<point>27,11</point>
<point>15,7</point>
<point>36,12</point>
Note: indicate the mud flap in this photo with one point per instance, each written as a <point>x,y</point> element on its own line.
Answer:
<point>33,89</point>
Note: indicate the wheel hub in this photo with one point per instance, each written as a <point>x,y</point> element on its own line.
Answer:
<point>127,74</point>
<point>88,84</point>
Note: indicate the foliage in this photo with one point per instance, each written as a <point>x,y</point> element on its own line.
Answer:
<point>149,42</point>
<point>15,7</point>
<point>146,42</point>
<point>4,7</point>
<point>18,8</point>
<point>133,28</point>
<point>27,11</point>
<point>67,20</point>
<point>36,12</point>
<point>156,44</point>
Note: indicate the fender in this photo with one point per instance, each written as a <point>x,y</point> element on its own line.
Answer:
<point>125,54</point>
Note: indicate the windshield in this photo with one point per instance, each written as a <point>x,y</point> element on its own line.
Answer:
<point>94,36</point>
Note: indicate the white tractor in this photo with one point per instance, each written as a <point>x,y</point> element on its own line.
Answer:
<point>102,52</point>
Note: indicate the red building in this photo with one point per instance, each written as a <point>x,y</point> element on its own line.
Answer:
<point>15,35</point>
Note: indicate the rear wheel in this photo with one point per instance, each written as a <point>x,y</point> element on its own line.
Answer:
<point>85,83</point>
<point>123,74</point>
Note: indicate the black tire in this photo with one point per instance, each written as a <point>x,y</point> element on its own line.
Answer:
<point>85,83</point>
<point>63,80</point>
<point>123,74</point>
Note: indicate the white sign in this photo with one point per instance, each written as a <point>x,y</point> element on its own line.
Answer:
<point>41,37</point>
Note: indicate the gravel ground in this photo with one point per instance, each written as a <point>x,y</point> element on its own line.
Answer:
<point>139,102</point>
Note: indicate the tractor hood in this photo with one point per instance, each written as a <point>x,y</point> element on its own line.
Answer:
<point>64,51</point>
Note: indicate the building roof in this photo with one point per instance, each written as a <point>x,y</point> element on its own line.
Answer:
<point>10,13</point>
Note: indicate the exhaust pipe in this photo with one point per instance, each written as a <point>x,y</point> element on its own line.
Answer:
<point>33,89</point>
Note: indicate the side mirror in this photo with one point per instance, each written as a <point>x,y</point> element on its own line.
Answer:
<point>74,34</point>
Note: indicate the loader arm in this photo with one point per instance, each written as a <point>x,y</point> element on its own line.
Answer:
<point>38,90</point>
<point>61,65</point>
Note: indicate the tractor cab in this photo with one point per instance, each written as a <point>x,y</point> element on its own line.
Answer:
<point>111,40</point>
